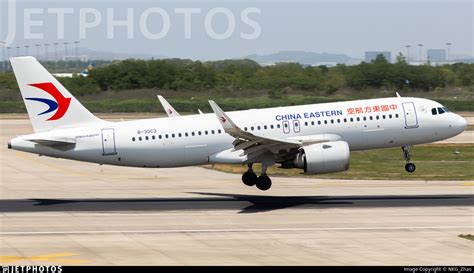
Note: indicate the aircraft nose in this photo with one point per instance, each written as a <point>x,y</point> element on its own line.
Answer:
<point>460,124</point>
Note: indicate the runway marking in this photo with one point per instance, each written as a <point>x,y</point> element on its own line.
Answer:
<point>222,230</point>
<point>53,257</point>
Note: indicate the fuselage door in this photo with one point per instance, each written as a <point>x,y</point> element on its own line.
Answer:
<point>108,142</point>
<point>286,126</point>
<point>411,120</point>
<point>296,126</point>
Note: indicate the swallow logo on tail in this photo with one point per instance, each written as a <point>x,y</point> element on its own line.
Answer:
<point>60,104</point>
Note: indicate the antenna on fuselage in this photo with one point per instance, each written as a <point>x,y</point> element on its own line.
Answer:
<point>398,95</point>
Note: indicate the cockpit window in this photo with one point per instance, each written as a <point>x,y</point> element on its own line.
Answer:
<point>439,110</point>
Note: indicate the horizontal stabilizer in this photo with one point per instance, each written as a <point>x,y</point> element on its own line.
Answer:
<point>53,141</point>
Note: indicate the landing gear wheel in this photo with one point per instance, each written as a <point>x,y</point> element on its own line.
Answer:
<point>264,182</point>
<point>410,167</point>
<point>249,178</point>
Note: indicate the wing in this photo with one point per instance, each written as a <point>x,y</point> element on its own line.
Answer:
<point>255,145</point>
<point>170,111</point>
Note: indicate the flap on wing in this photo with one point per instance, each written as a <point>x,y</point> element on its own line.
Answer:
<point>313,139</point>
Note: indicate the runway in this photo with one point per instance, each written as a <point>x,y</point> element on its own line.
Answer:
<point>240,203</point>
<point>55,211</point>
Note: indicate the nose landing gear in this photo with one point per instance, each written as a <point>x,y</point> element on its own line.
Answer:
<point>409,167</point>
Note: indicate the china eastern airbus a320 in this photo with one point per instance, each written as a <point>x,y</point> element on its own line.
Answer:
<point>317,138</point>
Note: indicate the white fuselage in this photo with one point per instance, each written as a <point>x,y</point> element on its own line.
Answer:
<point>200,139</point>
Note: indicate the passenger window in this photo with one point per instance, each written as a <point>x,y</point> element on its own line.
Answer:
<point>358,119</point>
<point>146,138</point>
<point>265,127</point>
<point>219,131</point>
<point>205,132</point>
<point>245,129</point>
<point>140,138</point>
<point>305,123</point>
<point>396,115</point>
<point>325,122</point>
<point>179,135</point>
<point>345,120</point>
<point>338,120</point>
<point>371,118</point>
<point>213,132</point>
<point>383,116</point>
<point>251,128</point>
<point>172,135</point>
<point>278,126</point>
<point>364,118</point>
<point>133,139</point>
<point>159,136</point>
<point>153,137</point>
<point>319,122</point>
<point>271,126</point>
<point>332,121</point>
<point>192,133</point>
<point>199,132</point>
<point>433,112</point>
<point>258,127</point>
<point>186,134</point>
<point>312,122</point>
<point>377,117</point>
<point>352,119</point>
<point>390,116</point>
<point>166,136</point>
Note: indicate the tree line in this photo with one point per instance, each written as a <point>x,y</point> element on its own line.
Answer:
<point>232,76</point>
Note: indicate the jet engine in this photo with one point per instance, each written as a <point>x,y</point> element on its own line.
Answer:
<point>327,157</point>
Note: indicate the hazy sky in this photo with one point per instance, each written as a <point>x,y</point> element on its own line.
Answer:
<point>349,27</point>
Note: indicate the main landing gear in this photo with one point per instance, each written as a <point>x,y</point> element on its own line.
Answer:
<point>409,167</point>
<point>263,182</point>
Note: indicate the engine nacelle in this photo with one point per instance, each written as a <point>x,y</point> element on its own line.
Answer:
<point>328,157</point>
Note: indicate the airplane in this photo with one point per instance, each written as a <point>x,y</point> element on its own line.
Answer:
<point>316,138</point>
<point>170,111</point>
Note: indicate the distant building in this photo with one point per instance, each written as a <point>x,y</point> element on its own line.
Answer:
<point>82,58</point>
<point>436,55</point>
<point>372,55</point>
